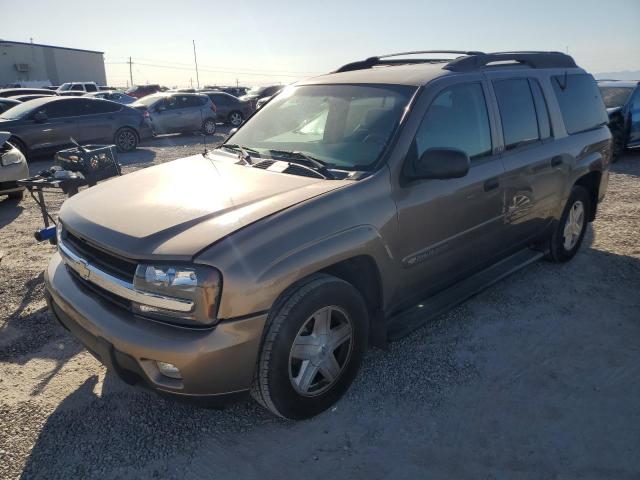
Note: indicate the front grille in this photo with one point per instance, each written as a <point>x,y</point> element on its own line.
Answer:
<point>105,261</point>
<point>107,295</point>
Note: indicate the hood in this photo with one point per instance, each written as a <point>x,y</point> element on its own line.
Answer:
<point>176,209</point>
<point>612,110</point>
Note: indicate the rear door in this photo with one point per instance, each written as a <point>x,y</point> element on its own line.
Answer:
<point>222,103</point>
<point>533,177</point>
<point>634,120</point>
<point>451,227</point>
<point>96,121</point>
<point>179,115</point>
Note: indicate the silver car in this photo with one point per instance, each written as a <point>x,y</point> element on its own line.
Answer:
<point>13,166</point>
<point>117,97</point>
<point>174,112</point>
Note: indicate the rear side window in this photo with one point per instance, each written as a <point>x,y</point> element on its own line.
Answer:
<point>90,87</point>
<point>580,102</point>
<point>77,88</point>
<point>517,112</point>
<point>457,118</point>
<point>96,106</point>
<point>63,108</point>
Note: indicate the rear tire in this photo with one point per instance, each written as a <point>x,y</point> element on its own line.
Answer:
<point>19,145</point>
<point>315,337</point>
<point>209,126</point>
<point>126,139</point>
<point>568,234</point>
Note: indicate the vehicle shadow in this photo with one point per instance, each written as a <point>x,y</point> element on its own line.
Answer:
<point>127,432</point>
<point>628,164</point>
<point>9,211</point>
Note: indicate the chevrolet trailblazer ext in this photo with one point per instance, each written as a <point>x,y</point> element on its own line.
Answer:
<point>269,264</point>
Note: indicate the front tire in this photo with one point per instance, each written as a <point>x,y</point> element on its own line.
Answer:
<point>236,119</point>
<point>568,234</point>
<point>126,139</point>
<point>16,196</point>
<point>315,338</point>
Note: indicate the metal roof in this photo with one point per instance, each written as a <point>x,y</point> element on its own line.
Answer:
<point>2,42</point>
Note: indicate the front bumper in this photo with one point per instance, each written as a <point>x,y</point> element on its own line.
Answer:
<point>213,362</point>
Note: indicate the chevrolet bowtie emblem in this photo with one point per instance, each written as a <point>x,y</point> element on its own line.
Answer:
<point>83,269</point>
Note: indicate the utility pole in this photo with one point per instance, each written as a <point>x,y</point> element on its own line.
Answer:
<point>195,60</point>
<point>130,71</point>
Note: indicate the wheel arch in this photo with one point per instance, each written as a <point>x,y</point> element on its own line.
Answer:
<point>591,183</point>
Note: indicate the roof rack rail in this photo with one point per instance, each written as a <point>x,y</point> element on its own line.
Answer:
<point>530,58</point>
<point>382,59</point>
<point>467,60</point>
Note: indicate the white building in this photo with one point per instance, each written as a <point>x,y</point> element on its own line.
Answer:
<point>31,64</point>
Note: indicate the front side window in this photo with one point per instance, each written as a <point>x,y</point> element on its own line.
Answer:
<point>457,118</point>
<point>348,126</point>
<point>63,108</point>
<point>77,88</point>
<point>580,102</point>
<point>517,112</point>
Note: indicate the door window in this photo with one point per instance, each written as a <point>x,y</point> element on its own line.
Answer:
<point>63,108</point>
<point>93,107</point>
<point>77,88</point>
<point>517,112</point>
<point>90,87</point>
<point>457,118</point>
<point>580,102</point>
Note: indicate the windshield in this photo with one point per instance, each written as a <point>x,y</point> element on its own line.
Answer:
<point>18,111</point>
<point>64,87</point>
<point>615,96</point>
<point>147,101</point>
<point>348,126</point>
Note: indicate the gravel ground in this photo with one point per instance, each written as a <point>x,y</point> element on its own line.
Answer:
<point>537,377</point>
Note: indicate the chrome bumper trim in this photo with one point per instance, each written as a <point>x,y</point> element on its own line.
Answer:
<point>119,287</point>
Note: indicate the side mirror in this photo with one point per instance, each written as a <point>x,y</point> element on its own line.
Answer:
<point>441,163</point>
<point>40,117</point>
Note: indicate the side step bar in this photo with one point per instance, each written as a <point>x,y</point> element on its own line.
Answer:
<point>415,317</point>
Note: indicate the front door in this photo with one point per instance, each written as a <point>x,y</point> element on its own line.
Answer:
<point>634,119</point>
<point>55,132</point>
<point>451,227</point>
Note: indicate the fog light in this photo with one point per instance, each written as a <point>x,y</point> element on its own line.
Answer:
<point>169,370</point>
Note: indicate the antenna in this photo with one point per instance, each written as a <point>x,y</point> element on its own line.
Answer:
<point>195,60</point>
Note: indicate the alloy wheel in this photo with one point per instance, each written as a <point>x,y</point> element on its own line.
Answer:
<point>320,351</point>
<point>235,119</point>
<point>126,140</point>
<point>573,225</point>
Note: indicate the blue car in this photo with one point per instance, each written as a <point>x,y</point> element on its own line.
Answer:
<point>622,99</point>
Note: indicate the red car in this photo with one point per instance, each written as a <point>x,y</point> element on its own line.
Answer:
<point>140,91</point>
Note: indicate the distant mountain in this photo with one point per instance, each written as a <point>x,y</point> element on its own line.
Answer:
<point>624,75</point>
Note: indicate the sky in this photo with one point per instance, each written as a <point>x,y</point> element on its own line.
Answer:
<point>257,42</point>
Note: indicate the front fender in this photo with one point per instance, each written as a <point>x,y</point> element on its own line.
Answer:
<point>252,285</point>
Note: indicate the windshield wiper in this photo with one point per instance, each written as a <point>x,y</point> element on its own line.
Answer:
<point>307,161</point>
<point>243,155</point>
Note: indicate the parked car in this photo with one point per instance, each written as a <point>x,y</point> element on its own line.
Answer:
<point>140,91</point>
<point>80,87</point>
<point>256,93</point>
<point>172,112</point>
<point>7,103</point>
<point>622,99</point>
<point>72,93</point>
<point>328,221</point>
<point>13,166</point>
<point>117,97</point>
<point>10,92</point>
<point>229,109</point>
<point>46,125</point>
<point>26,98</point>
<point>235,91</point>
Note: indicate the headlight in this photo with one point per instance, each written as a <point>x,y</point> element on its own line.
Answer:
<point>198,283</point>
<point>11,157</point>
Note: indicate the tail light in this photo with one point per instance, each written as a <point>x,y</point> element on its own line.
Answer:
<point>145,114</point>
<point>213,107</point>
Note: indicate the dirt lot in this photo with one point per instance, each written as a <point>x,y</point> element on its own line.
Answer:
<point>537,377</point>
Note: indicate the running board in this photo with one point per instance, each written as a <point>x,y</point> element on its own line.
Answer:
<point>415,317</point>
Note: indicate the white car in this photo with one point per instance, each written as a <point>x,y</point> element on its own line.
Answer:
<point>13,166</point>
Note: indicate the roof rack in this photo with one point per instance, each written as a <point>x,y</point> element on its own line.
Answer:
<point>467,60</point>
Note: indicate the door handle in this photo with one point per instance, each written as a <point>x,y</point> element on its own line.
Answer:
<point>491,184</point>
<point>556,161</point>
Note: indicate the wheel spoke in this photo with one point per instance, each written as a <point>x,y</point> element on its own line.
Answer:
<point>322,322</point>
<point>338,336</point>
<point>330,368</point>
<point>307,374</point>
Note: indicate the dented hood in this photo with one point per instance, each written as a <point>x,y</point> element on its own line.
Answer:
<point>176,209</point>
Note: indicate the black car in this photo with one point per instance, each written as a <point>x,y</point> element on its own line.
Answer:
<point>46,125</point>
<point>229,109</point>
<point>622,99</point>
<point>256,93</point>
<point>12,92</point>
<point>7,103</point>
